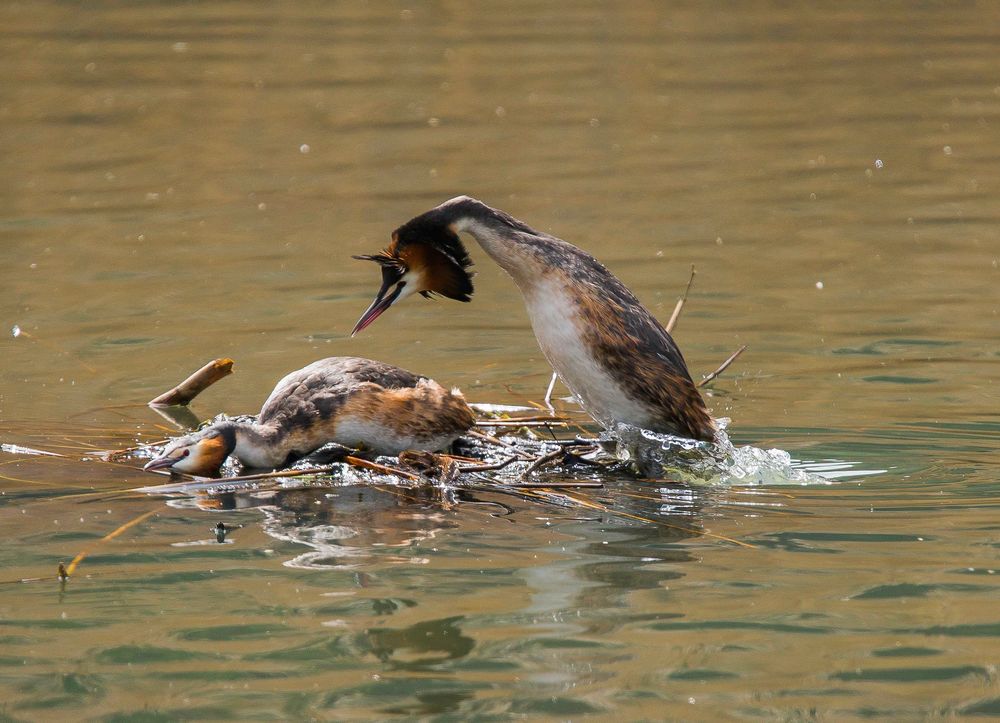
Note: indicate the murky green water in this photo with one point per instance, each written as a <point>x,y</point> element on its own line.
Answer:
<point>186,181</point>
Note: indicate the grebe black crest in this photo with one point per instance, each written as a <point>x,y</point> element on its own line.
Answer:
<point>357,403</point>
<point>610,351</point>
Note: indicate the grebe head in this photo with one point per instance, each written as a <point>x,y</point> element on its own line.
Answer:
<point>425,256</point>
<point>200,453</point>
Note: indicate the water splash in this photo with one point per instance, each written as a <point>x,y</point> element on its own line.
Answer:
<point>708,463</point>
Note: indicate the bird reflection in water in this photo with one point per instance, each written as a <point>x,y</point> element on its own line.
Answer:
<point>347,526</point>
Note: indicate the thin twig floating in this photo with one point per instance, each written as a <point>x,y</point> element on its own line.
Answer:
<point>65,572</point>
<point>195,384</point>
<point>723,366</point>
<point>680,303</point>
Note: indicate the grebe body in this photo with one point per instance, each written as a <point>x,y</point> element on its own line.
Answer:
<point>610,351</point>
<point>357,403</point>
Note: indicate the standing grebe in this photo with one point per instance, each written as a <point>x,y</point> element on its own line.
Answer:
<point>348,400</point>
<point>614,356</point>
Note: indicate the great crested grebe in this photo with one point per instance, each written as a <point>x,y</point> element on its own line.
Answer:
<point>614,356</point>
<point>348,400</point>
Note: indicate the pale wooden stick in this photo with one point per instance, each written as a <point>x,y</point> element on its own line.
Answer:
<point>195,384</point>
<point>548,392</point>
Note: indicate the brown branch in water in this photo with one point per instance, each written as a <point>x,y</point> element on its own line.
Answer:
<point>195,384</point>
<point>680,303</point>
<point>723,366</point>
<point>544,459</point>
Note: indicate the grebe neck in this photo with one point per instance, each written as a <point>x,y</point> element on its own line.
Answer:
<point>256,445</point>
<point>516,247</point>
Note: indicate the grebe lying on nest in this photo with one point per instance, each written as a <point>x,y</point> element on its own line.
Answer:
<point>354,402</point>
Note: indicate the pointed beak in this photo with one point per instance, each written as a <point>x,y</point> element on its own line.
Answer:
<point>383,300</point>
<point>164,462</point>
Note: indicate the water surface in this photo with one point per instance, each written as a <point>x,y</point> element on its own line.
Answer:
<point>187,181</point>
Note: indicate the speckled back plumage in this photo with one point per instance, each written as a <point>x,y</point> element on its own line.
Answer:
<point>360,402</point>
<point>320,389</point>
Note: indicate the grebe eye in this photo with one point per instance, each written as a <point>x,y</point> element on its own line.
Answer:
<point>187,452</point>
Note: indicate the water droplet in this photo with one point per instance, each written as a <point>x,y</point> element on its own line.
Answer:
<point>304,148</point>
<point>947,150</point>
<point>179,47</point>
<point>433,122</point>
<point>15,331</point>
<point>819,284</point>
<point>594,122</point>
<point>878,163</point>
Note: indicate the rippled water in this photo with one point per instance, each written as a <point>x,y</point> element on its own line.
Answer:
<point>186,181</point>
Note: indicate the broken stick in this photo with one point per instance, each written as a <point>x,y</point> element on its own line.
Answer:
<point>195,384</point>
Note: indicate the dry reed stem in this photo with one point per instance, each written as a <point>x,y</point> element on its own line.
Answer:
<point>680,304</point>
